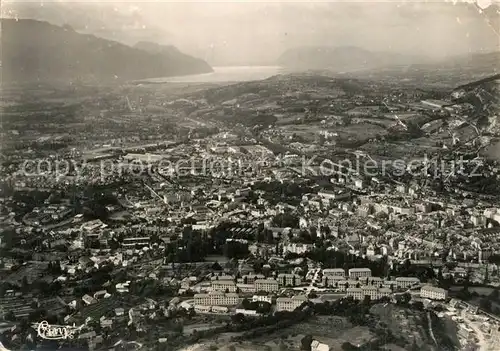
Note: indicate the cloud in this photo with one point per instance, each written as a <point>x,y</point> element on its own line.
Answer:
<point>258,32</point>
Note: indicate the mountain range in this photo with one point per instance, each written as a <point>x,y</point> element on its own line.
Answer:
<point>38,51</point>
<point>344,58</point>
<point>102,19</point>
<point>226,34</point>
<point>360,62</point>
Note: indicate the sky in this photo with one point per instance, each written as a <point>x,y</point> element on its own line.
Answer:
<point>258,32</point>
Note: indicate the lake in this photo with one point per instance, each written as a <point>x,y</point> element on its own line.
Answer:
<point>225,74</point>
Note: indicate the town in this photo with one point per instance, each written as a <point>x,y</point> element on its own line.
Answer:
<point>227,213</point>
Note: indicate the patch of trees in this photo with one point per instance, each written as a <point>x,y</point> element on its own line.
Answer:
<point>490,303</point>
<point>286,220</point>
<point>409,270</point>
<point>289,189</point>
<point>259,306</point>
<point>247,118</point>
<point>282,192</point>
<point>305,342</point>
<point>494,258</point>
<point>95,206</point>
<point>216,95</point>
<point>383,336</point>
<point>25,201</point>
<point>263,235</point>
<point>218,237</point>
<point>444,334</point>
<point>357,313</point>
<point>272,323</point>
<point>190,248</point>
<point>347,346</point>
<point>252,327</point>
<point>404,299</point>
<point>306,236</point>
<point>235,249</point>
<point>466,295</point>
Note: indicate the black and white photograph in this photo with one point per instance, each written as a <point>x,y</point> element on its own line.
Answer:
<point>250,175</point>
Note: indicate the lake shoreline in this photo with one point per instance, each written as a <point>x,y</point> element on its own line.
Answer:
<point>224,74</point>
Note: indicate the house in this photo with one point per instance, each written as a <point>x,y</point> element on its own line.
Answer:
<point>262,298</point>
<point>89,300</point>
<point>106,323</point>
<point>135,242</point>
<point>220,309</point>
<point>122,287</point>
<point>101,294</point>
<point>317,346</point>
<point>297,248</point>
<point>247,312</point>
<point>202,308</point>
<point>358,183</point>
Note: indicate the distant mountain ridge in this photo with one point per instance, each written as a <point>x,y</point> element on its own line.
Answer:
<point>489,61</point>
<point>344,58</point>
<point>102,19</point>
<point>460,69</point>
<point>357,61</point>
<point>155,48</point>
<point>39,51</point>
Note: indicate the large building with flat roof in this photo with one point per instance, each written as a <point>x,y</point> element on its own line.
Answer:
<point>368,290</point>
<point>406,282</point>
<point>359,273</point>
<point>290,303</point>
<point>216,298</point>
<point>336,272</point>
<point>433,293</point>
<point>223,285</point>
<point>289,279</point>
<point>268,285</point>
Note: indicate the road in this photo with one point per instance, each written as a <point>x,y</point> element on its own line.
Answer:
<point>200,123</point>
<point>431,332</point>
<point>311,286</point>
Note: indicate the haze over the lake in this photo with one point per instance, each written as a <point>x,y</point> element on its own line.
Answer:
<point>257,33</point>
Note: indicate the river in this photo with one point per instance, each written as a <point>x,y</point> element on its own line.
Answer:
<point>225,74</point>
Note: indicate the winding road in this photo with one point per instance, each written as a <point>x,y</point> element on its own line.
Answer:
<point>431,332</point>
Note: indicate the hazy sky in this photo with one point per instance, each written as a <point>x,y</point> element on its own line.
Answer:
<point>258,32</point>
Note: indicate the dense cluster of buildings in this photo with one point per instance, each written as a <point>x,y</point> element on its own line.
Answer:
<point>156,210</point>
